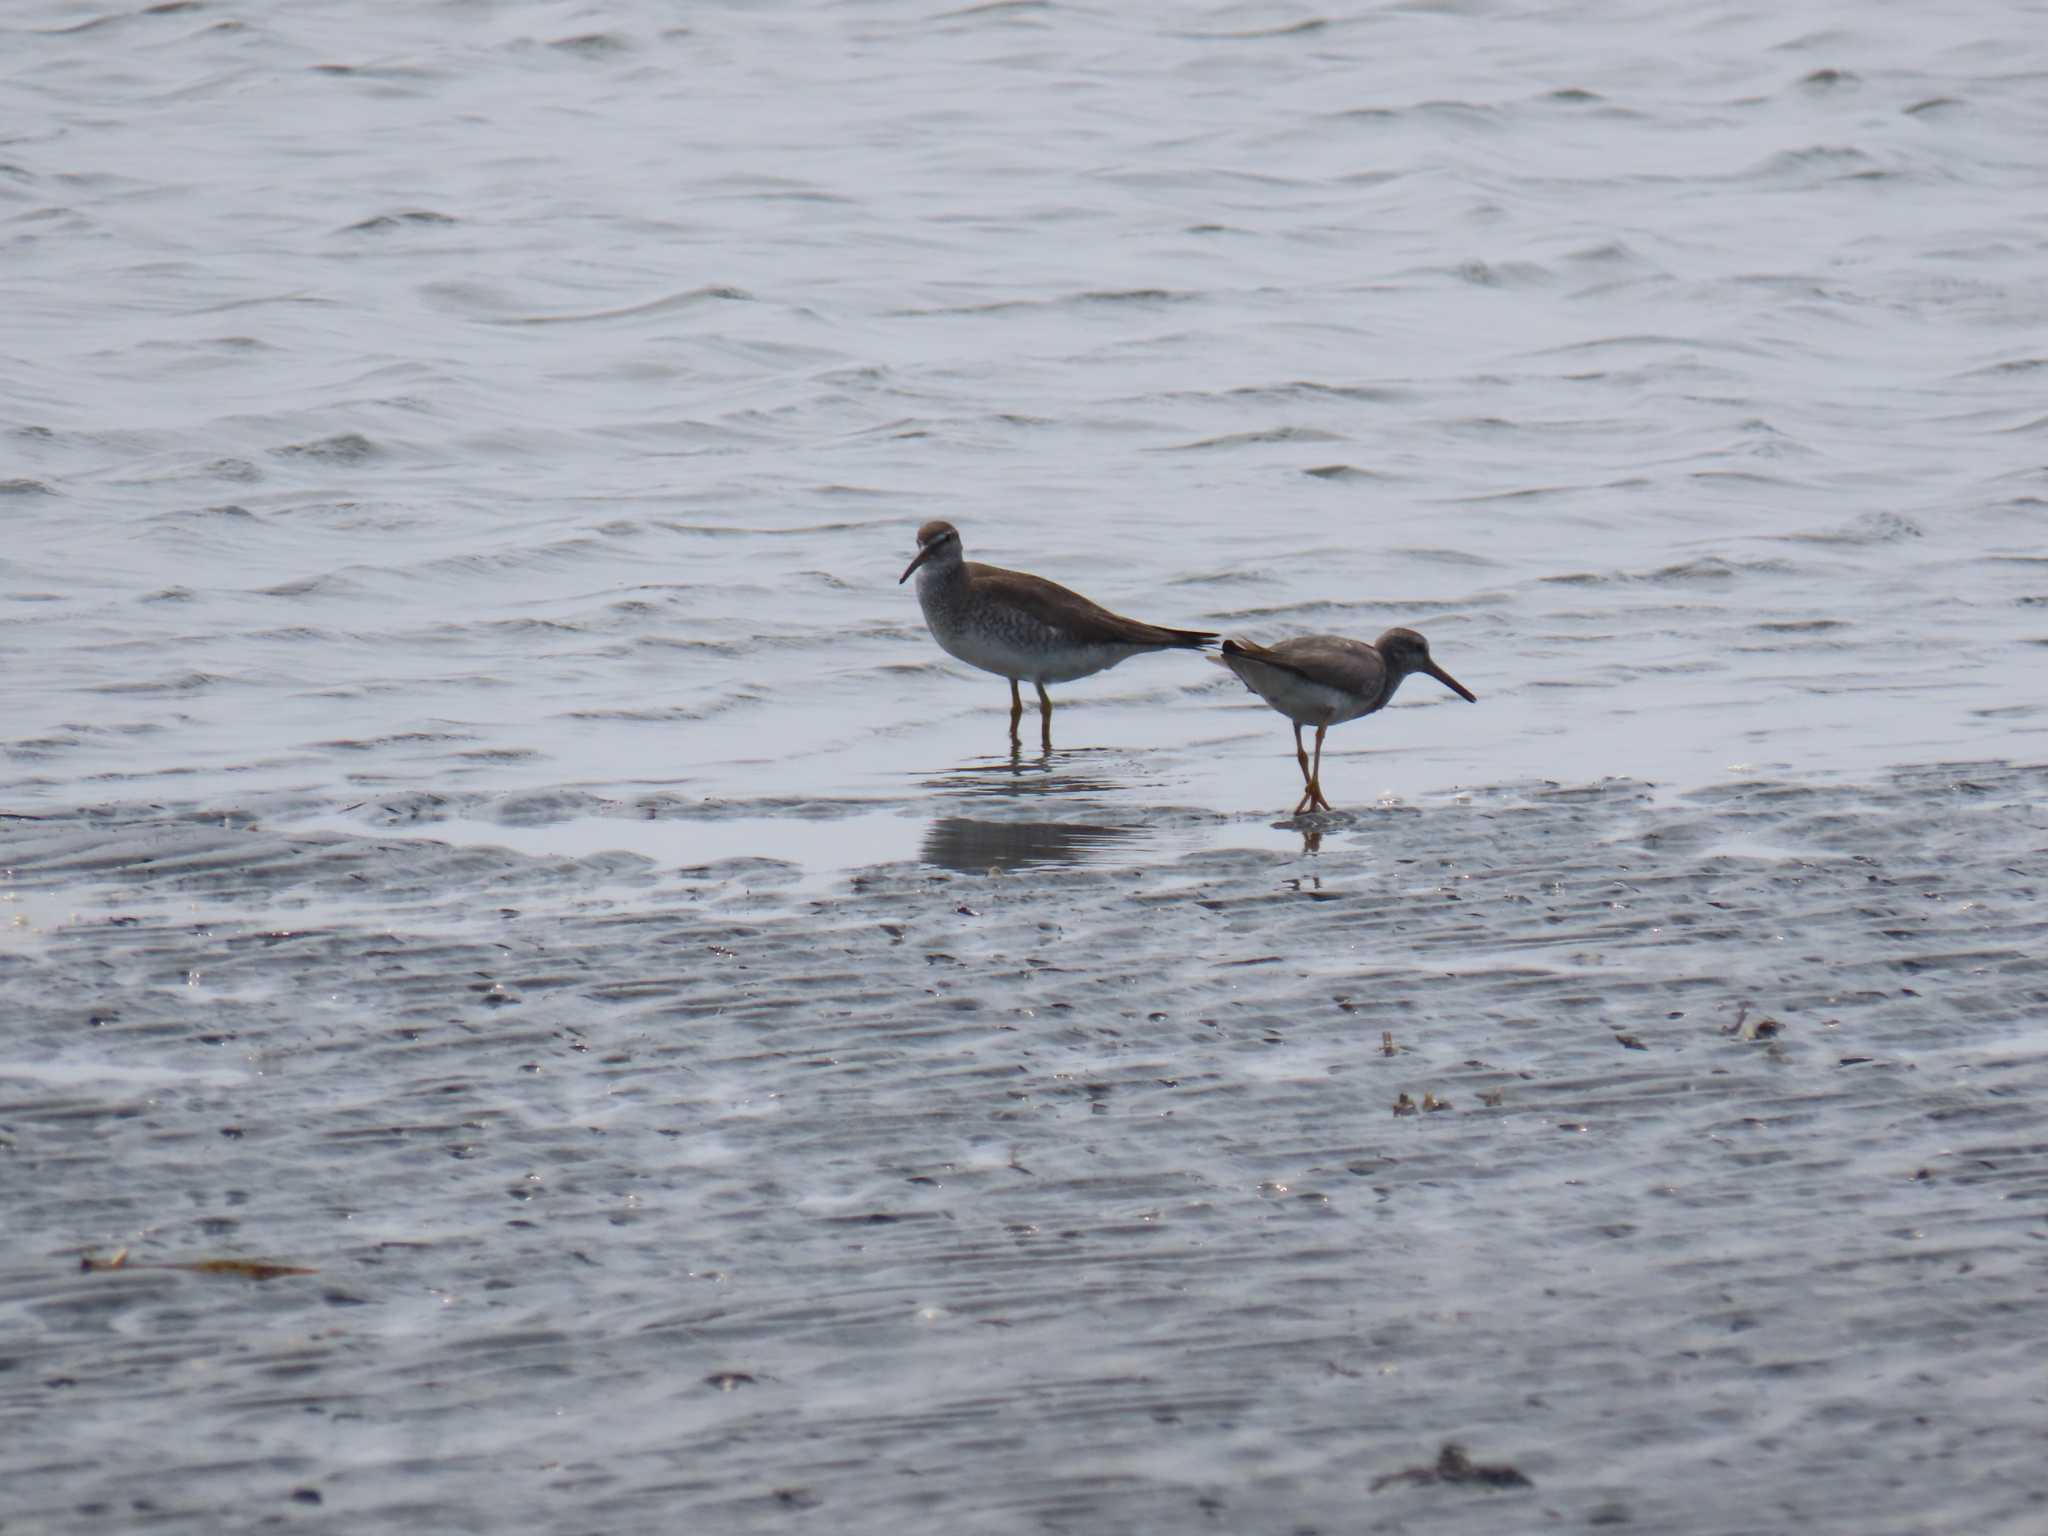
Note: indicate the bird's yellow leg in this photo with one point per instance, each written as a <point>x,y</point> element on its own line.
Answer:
<point>1301,756</point>
<point>1315,774</point>
<point>1044,716</point>
<point>1016,708</point>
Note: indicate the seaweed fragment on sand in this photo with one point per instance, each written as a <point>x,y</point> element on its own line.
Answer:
<point>245,1269</point>
<point>1453,1465</point>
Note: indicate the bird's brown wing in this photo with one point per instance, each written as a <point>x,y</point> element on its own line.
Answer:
<point>1351,666</point>
<point>1086,622</point>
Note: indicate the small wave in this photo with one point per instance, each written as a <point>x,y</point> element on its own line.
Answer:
<point>1815,163</point>
<point>1247,439</point>
<point>1365,610</point>
<point>1704,569</point>
<point>227,510</point>
<point>486,306</point>
<point>593,45</point>
<point>691,646</point>
<point>327,585</point>
<point>408,218</point>
<point>111,19</point>
<point>1307,389</point>
<point>1312,25</point>
<point>1739,476</point>
<point>673,714</point>
<point>400,739</point>
<point>34,748</point>
<point>1232,577</point>
<point>522,626</point>
<point>794,531</point>
<point>293,634</point>
<point>1525,493</point>
<point>1092,296</point>
<point>1610,254</point>
<point>1456,111</point>
<point>1870,528</point>
<point>691,298</point>
<point>1457,557</point>
<point>1689,572</point>
<point>376,71</point>
<point>1712,568</point>
<point>561,552</point>
<point>181,682</point>
<point>1283,611</point>
<point>1506,274</point>
<point>2009,367</point>
<point>1653,341</point>
<point>1004,9</point>
<point>342,448</point>
<point>1127,296</point>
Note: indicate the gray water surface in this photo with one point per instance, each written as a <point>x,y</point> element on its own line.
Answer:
<point>482,823</point>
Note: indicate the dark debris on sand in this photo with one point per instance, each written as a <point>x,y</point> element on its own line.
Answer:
<point>1453,1465</point>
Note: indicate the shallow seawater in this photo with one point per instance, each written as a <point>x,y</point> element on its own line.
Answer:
<point>481,820</point>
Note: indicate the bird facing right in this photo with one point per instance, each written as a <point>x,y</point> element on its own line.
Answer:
<point>1324,680</point>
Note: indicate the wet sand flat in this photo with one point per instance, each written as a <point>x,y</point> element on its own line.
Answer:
<point>481,822</point>
<point>1042,1198</point>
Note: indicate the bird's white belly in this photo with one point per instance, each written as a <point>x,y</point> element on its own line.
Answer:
<point>1297,698</point>
<point>1016,657</point>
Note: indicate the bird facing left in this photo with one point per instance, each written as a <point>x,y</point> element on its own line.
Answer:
<point>1023,627</point>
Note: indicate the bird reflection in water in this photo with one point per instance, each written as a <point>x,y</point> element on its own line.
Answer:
<point>974,844</point>
<point>1043,773</point>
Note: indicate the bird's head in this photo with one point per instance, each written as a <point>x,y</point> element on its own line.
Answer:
<point>1404,652</point>
<point>937,541</point>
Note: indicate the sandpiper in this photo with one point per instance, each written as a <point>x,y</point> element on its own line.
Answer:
<point>1020,626</point>
<point>1324,680</point>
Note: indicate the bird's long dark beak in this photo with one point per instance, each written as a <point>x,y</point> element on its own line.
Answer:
<point>1450,682</point>
<point>910,569</point>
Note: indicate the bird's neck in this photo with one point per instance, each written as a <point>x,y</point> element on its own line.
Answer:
<point>942,581</point>
<point>1394,677</point>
